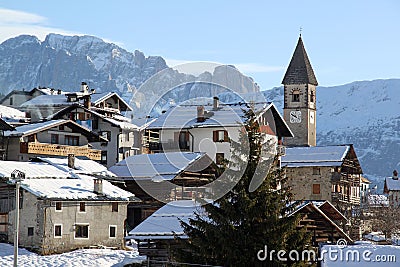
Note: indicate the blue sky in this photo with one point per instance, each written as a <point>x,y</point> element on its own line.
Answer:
<point>345,40</point>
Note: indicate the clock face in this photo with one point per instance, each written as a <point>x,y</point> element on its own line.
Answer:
<point>295,116</point>
<point>312,117</point>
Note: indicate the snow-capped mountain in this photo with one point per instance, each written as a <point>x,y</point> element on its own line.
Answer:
<point>364,113</point>
<point>65,61</point>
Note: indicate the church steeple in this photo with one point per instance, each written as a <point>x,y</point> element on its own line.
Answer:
<point>300,70</point>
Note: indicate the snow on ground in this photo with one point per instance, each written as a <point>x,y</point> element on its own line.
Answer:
<point>77,258</point>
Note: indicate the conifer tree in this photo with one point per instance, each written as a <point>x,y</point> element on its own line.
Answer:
<point>241,223</point>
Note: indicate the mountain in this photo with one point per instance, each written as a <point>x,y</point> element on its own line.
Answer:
<point>363,113</point>
<point>63,62</point>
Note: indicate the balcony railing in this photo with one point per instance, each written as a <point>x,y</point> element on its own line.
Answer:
<point>345,198</point>
<point>59,150</point>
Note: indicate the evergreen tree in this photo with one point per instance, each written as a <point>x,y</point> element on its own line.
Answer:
<point>241,223</point>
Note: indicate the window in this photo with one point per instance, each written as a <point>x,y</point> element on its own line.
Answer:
<point>71,140</point>
<point>103,157</point>
<point>30,231</point>
<point>220,136</point>
<point>58,206</point>
<point>114,207</point>
<point>113,231</point>
<point>82,207</point>
<point>316,189</point>
<point>61,127</point>
<point>127,137</point>
<point>219,158</point>
<point>95,123</point>
<point>54,138</point>
<point>312,97</point>
<point>32,138</point>
<point>296,96</point>
<point>57,230</point>
<point>11,101</point>
<point>316,171</point>
<point>81,231</point>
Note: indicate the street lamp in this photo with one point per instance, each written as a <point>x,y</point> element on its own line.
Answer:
<point>17,176</point>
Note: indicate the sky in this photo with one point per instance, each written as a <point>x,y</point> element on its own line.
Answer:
<point>346,41</point>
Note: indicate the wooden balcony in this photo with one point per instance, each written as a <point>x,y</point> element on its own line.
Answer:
<point>59,150</point>
<point>345,198</point>
<point>159,147</point>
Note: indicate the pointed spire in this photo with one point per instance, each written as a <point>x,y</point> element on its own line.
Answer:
<point>300,70</point>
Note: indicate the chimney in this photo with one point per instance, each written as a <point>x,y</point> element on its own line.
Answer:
<point>98,186</point>
<point>395,175</point>
<point>84,88</point>
<point>200,114</point>
<point>216,103</point>
<point>59,92</point>
<point>71,161</point>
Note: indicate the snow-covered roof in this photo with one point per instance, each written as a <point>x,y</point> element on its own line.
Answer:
<point>11,114</point>
<point>82,166</point>
<point>33,127</point>
<point>315,156</point>
<point>392,184</point>
<point>32,170</point>
<point>47,100</point>
<point>164,223</point>
<point>377,200</point>
<point>98,98</point>
<point>165,166</point>
<point>78,188</point>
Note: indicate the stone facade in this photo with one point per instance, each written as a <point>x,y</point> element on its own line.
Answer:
<point>39,219</point>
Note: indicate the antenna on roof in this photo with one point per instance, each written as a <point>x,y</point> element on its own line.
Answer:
<point>301,29</point>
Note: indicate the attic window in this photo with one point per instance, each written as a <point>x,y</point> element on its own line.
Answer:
<point>296,96</point>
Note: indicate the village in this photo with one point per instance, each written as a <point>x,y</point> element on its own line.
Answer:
<point>77,172</point>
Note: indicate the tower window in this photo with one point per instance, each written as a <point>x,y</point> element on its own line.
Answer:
<point>296,96</point>
<point>312,97</point>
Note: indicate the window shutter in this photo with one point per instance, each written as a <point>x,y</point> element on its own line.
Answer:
<point>226,138</point>
<point>215,136</point>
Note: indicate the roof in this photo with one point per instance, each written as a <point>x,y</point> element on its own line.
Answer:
<point>71,189</point>
<point>82,166</point>
<point>10,114</point>
<point>227,115</point>
<point>98,98</point>
<point>32,170</point>
<point>300,70</point>
<point>392,184</point>
<point>164,223</point>
<point>164,166</point>
<point>42,126</point>
<point>47,100</point>
<point>118,120</point>
<point>315,156</point>
<point>4,126</point>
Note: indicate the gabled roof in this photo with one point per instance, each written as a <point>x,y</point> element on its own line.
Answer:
<point>315,156</point>
<point>227,115</point>
<point>165,222</point>
<point>47,100</point>
<point>98,98</point>
<point>155,167</point>
<point>300,70</point>
<point>391,184</point>
<point>118,120</point>
<point>32,128</point>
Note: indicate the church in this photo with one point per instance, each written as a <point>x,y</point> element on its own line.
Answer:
<point>314,172</point>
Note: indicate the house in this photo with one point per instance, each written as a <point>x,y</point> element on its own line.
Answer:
<point>17,97</point>
<point>163,177</point>
<point>157,234</point>
<point>123,136</point>
<point>210,128</point>
<point>364,189</point>
<point>60,210</point>
<point>330,173</point>
<point>392,189</point>
<point>44,106</point>
<point>57,138</point>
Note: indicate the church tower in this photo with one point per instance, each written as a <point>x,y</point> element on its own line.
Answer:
<point>299,110</point>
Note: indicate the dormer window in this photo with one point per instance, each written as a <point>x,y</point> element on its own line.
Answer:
<point>296,96</point>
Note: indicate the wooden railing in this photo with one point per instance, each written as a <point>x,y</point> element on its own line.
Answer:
<point>340,197</point>
<point>59,150</point>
